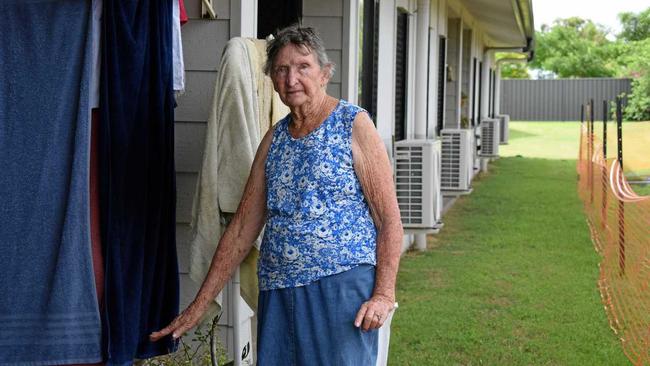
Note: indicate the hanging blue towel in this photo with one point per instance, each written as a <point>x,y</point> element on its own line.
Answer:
<point>48,307</point>
<point>137,177</point>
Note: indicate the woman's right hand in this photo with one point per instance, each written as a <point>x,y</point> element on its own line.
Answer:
<point>187,320</point>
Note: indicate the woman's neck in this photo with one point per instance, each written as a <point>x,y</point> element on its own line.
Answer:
<point>309,115</point>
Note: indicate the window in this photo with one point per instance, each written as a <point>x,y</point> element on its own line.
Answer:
<point>474,85</point>
<point>493,85</point>
<point>442,81</point>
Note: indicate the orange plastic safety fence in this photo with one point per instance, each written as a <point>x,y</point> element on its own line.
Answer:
<point>619,220</point>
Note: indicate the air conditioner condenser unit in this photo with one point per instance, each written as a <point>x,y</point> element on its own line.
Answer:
<point>504,128</point>
<point>417,182</point>
<point>490,138</point>
<point>457,165</point>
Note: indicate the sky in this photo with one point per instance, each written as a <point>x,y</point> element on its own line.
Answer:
<point>600,11</point>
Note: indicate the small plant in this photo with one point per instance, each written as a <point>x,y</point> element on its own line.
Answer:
<point>464,122</point>
<point>202,349</point>
<point>463,99</point>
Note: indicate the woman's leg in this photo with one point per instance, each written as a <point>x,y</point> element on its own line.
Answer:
<point>275,324</point>
<point>324,320</point>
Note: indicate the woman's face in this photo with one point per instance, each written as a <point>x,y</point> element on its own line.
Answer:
<point>297,76</point>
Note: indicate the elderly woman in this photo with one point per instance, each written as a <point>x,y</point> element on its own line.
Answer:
<point>322,184</point>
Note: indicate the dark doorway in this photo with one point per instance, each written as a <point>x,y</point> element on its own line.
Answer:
<point>370,47</point>
<point>276,14</point>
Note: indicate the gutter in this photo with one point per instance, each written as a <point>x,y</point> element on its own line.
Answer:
<point>523,10</point>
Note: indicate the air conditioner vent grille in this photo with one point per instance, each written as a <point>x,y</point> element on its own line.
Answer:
<point>455,157</point>
<point>490,137</point>
<point>414,183</point>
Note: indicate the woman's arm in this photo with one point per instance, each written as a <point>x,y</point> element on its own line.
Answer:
<point>233,247</point>
<point>375,174</point>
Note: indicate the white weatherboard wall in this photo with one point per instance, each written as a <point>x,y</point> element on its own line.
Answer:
<point>476,49</point>
<point>438,28</point>
<point>432,88</point>
<point>466,72</point>
<point>350,52</point>
<point>327,18</point>
<point>203,42</point>
<point>386,72</point>
<point>488,59</point>
<point>454,54</point>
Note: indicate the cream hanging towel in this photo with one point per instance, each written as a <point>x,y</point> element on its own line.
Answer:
<point>243,109</point>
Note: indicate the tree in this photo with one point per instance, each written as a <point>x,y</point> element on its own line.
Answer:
<point>634,62</point>
<point>636,27</point>
<point>636,65</point>
<point>514,69</point>
<point>575,47</point>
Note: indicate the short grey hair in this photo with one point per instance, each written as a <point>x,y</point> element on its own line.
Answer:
<point>305,37</point>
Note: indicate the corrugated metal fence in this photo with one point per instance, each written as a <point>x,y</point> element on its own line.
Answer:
<point>558,99</point>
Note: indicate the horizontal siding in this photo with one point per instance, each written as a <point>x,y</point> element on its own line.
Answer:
<point>329,28</point>
<point>188,290</point>
<point>327,18</point>
<point>185,186</point>
<point>189,140</point>
<point>334,89</point>
<point>195,104</point>
<point>203,41</point>
<point>453,52</point>
<point>557,100</point>
<point>183,238</point>
<point>312,8</point>
<point>336,58</point>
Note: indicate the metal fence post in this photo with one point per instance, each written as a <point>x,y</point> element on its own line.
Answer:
<point>621,204</point>
<point>603,170</point>
<point>591,151</point>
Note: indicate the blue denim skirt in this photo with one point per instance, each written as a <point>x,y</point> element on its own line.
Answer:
<point>314,324</point>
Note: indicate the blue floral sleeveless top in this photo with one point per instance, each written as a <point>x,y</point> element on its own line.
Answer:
<point>318,222</point>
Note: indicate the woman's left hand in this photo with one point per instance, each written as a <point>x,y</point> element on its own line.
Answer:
<point>374,312</point>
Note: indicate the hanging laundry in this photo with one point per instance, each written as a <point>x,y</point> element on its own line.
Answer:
<point>96,59</point>
<point>95,232</point>
<point>97,256</point>
<point>137,178</point>
<point>177,49</point>
<point>243,109</point>
<point>183,12</point>
<point>48,308</point>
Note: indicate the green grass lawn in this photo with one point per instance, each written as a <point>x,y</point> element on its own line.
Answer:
<point>643,190</point>
<point>549,140</point>
<point>560,140</point>
<point>512,277</point>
